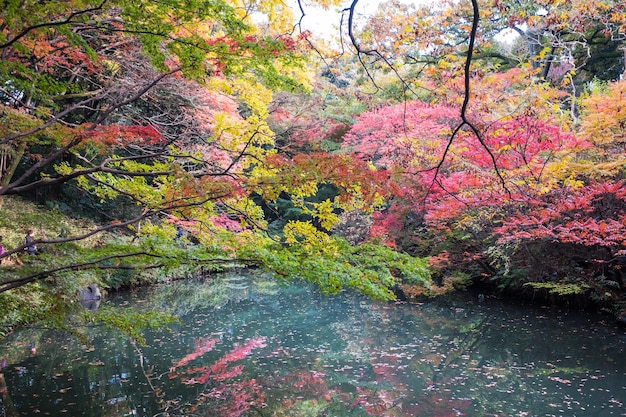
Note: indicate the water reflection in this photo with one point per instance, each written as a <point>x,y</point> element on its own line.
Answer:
<point>247,346</point>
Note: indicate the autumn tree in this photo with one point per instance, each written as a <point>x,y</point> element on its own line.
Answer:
<point>579,222</point>
<point>163,111</point>
<point>82,86</point>
<point>602,122</point>
<point>451,194</point>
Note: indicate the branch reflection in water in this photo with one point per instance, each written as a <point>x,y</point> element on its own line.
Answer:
<point>248,346</point>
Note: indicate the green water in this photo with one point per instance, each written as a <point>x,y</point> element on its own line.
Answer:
<point>247,346</point>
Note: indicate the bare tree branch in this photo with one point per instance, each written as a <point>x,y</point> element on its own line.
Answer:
<point>369,52</point>
<point>466,99</point>
<point>66,21</point>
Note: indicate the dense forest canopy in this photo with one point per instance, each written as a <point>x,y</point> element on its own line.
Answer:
<point>417,154</point>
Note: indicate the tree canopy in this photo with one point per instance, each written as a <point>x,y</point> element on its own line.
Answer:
<point>418,153</point>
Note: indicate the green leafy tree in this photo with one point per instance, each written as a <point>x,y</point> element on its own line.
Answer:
<point>154,117</point>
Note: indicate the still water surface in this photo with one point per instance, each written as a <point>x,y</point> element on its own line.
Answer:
<point>247,346</point>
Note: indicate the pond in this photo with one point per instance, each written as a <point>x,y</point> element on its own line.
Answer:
<point>248,346</point>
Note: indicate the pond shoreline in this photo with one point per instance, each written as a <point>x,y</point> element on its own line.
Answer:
<point>479,291</point>
<point>246,344</point>
<point>482,289</point>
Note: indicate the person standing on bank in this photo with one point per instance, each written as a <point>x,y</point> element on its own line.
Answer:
<point>31,248</point>
<point>1,249</point>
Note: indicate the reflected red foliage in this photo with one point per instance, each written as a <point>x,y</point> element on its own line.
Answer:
<point>222,395</point>
<point>202,346</point>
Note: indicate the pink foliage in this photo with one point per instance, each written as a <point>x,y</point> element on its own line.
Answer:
<point>384,225</point>
<point>528,142</point>
<point>225,222</point>
<point>205,105</point>
<point>229,397</point>
<point>121,136</point>
<point>202,346</point>
<point>235,399</point>
<point>410,139</point>
<point>594,215</point>
<point>219,370</point>
<point>521,147</point>
<point>393,136</point>
<point>242,351</point>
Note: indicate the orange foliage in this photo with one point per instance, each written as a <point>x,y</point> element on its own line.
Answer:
<point>604,116</point>
<point>119,136</point>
